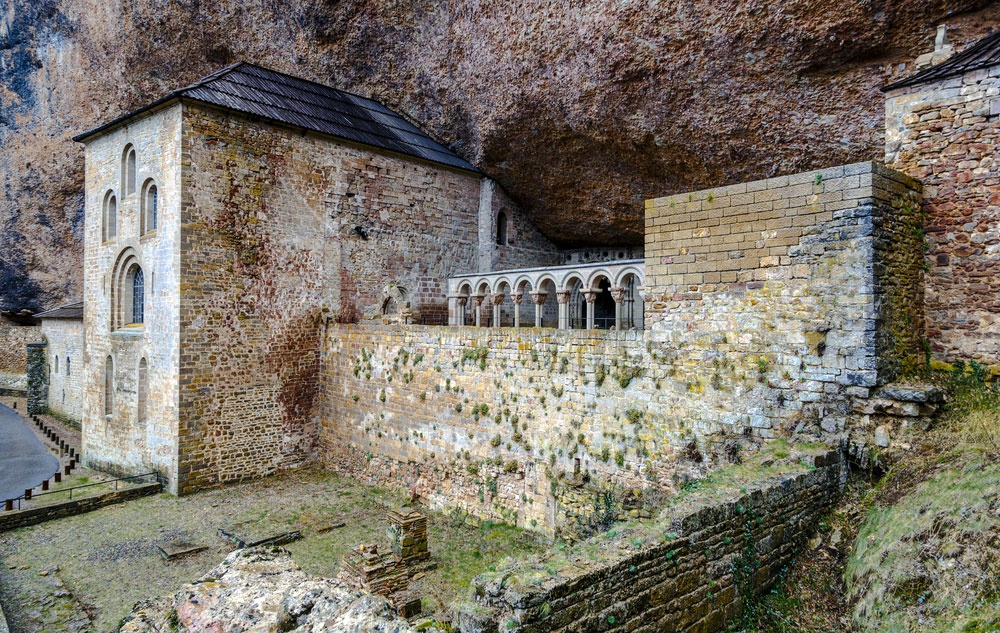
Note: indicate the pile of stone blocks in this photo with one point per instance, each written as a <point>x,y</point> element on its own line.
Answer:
<point>389,574</point>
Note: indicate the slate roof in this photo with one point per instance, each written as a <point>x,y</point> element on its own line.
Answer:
<point>281,98</point>
<point>982,54</point>
<point>70,311</point>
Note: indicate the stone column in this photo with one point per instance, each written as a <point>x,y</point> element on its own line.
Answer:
<point>618,294</point>
<point>478,300</point>
<point>590,296</point>
<point>539,299</point>
<point>38,379</point>
<point>516,298</point>
<point>460,303</point>
<point>497,298</point>
<point>562,296</point>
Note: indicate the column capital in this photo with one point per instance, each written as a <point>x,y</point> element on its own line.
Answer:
<point>516,298</point>
<point>618,294</point>
<point>590,295</point>
<point>538,297</point>
<point>478,299</point>
<point>497,298</point>
<point>562,296</point>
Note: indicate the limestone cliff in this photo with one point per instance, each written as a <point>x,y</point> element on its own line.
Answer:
<point>580,109</point>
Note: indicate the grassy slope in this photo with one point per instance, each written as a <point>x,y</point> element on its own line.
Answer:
<point>919,550</point>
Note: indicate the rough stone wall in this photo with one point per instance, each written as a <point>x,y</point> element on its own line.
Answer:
<point>283,232</point>
<point>946,134</point>
<point>121,442</point>
<point>13,352</point>
<point>815,277</point>
<point>38,387</point>
<point>685,582</point>
<point>527,425</point>
<point>65,341</point>
<point>526,247</point>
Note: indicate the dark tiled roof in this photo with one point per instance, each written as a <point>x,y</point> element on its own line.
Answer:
<point>71,311</point>
<point>307,105</point>
<point>982,54</point>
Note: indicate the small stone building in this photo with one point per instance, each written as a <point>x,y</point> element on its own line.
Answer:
<point>226,224</point>
<point>62,329</point>
<point>943,128</point>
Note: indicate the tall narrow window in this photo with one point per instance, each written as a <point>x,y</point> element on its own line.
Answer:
<point>128,171</point>
<point>502,229</point>
<point>109,386</point>
<point>142,391</point>
<point>150,201</point>
<point>138,292</point>
<point>110,229</point>
<point>67,365</point>
<point>57,364</point>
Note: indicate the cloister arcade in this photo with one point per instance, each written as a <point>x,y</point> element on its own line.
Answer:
<point>605,295</point>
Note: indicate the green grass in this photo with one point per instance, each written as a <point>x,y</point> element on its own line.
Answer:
<point>931,561</point>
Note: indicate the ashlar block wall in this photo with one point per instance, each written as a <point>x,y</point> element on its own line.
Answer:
<point>769,317</point>
<point>283,232</point>
<point>816,276</point>
<point>64,340</point>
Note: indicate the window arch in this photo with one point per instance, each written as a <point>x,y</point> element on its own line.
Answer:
<point>149,207</point>
<point>128,290</point>
<point>502,229</point>
<point>110,216</point>
<point>128,170</point>
<point>142,390</point>
<point>109,386</point>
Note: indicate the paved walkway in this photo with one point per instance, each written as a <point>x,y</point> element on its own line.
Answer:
<point>24,461</point>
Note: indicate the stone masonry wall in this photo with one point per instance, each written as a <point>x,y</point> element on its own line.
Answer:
<point>281,232</point>
<point>65,341</point>
<point>13,352</point>
<point>530,426</point>
<point>121,442</point>
<point>526,246</point>
<point>38,385</point>
<point>815,276</point>
<point>693,578</point>
<point>946,135</point>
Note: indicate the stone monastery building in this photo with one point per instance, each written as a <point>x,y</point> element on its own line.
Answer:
<point>277,271</point>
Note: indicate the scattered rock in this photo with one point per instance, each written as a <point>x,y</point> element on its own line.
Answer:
<point>263,590</point>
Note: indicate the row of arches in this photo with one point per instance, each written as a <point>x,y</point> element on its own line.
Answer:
<point>571,298</point>
<point>149,199</point>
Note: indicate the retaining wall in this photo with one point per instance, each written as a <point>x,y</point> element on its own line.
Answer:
<point>705,566</point>
<point>34,516</point>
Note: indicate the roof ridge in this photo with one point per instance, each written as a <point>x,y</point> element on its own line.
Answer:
<point>959,63</point>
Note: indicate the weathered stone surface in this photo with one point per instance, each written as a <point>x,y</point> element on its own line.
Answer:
<point>263,590</point>
<point>581,111</point>
<point>943,133</point>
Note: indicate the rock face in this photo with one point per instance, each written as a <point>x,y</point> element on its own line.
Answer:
<point>580,110</point>
<point>263,590</point>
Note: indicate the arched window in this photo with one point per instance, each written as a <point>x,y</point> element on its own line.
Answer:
<point>502,229</point>
<point>109,386</point>
<point>57,365</point>
<point>128,171</point>
<point>149,207</point>
<point>138,295</point>
<point>142,391</point>
<point>110,228</point>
